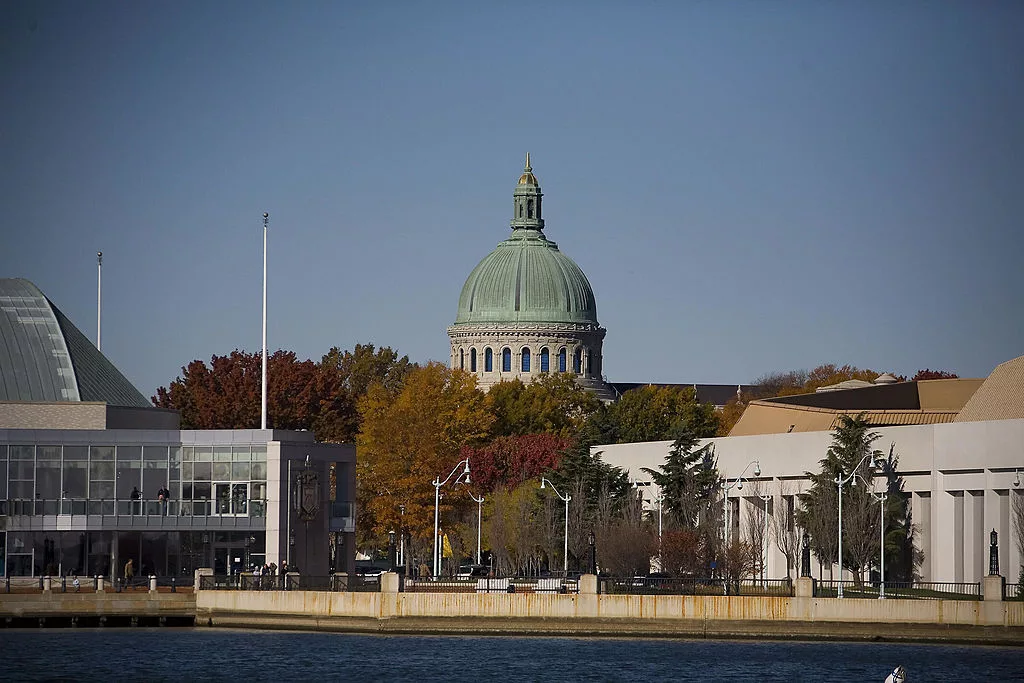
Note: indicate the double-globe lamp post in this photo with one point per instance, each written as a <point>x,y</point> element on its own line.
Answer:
<point>738,483</point>
<point>880,498</point>
<point>566,498</point>
<point>479,514</point>
<point>462,478</point>
<point>842,481</point>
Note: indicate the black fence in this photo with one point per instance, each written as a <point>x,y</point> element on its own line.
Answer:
<point>334,583</point>
<point>543,586</point>
<point>650,585</point>
<point>900,590</point>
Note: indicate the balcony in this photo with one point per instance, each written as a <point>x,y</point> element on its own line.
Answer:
<point>75,514</point>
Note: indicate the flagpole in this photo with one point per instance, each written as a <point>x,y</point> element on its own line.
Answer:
<point>99,296</point>
<point>263,418</point>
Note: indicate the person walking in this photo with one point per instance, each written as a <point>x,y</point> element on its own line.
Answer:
<point>129,572</point>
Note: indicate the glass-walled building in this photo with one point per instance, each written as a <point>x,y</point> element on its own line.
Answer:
<point>85,501</point>
<point>92,475</point>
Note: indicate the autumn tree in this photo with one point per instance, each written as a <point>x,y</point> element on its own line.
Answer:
<point>410,436</point>
<point>508,461</point>
<point>655,413</point>
<point>625,540</point>
<point>226,394</point>
<point>785,529</point>
<point>344,377</point>
<point>514,529</point>
<point>553,403</point>
<point>933,374</point>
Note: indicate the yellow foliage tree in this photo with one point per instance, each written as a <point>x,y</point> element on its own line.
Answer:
<point>409,437</point>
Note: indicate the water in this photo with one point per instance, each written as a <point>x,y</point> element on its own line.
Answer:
<point>220,654</point>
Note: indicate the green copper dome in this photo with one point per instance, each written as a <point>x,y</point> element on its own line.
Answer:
<point>526,279</point>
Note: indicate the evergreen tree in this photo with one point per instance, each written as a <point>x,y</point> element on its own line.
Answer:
<point>850,448</point>
<point>688,479</point>
<point>584,471</point>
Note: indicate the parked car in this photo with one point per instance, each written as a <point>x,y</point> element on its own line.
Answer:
<point>369,573</point>
<point>472,571</point>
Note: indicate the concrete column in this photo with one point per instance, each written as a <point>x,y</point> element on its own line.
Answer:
<point>804,587</point>
<point>992,588</point>
<point>588,584</point>
<point>389,582</point>
<point>201,572</point>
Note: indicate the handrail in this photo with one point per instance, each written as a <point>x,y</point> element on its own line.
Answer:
<point>117,507</point>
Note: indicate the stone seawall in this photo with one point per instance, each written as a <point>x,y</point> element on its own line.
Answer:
<point>97,609</point>
<point>610,615</point>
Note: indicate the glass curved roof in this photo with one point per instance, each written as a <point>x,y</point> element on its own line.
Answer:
<point>44,357</point>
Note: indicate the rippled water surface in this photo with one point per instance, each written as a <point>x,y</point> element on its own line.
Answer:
<point>214,654</point>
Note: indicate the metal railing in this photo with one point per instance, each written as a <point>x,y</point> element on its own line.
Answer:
<point>657,585</point>
<point>36,507</point>
<point>551,585</point>
<point>901,590</point>
<point>1012,591</point>
<point>333,583</point>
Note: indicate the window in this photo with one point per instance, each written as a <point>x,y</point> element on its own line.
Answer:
<point>525,364</point>
<point>529,209</point>
<point>561,359</point>
<point>506,359</point>
<point>472,360</point>
<point>462,359</point>
<point>488,360</point>
<point>577,361</point>
<point>545,360</point>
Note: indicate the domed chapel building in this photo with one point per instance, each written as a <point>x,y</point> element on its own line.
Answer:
<point>527,308</point>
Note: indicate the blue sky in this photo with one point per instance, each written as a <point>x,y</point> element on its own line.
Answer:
<point>749,186</point>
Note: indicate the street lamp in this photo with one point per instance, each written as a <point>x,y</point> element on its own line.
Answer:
<point>765,498</point>
<point>391,550</point>
<point>479,513</point>
<point>462,478</point>
<point>593,552</point>
<point>401,538</point>
<point>840,483</point>
<point>738,483</point>
<point>566,498</point>
<point>659,500</point>
<point>880,497</point>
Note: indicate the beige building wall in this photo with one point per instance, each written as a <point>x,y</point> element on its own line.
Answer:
<point>961,477</point>
<point>71,415</point>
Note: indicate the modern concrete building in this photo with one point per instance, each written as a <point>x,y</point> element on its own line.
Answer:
<point>527,308</point>
<point>961,452</point>
<point>84,460</point>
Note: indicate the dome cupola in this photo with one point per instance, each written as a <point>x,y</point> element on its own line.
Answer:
<point>527,308</point>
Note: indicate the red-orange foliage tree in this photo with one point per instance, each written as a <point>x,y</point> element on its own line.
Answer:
<point>226,394</point>
<point>934,374</point>
<point>508,461</point>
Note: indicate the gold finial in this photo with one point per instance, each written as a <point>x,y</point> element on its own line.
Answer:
<point>528,162</point>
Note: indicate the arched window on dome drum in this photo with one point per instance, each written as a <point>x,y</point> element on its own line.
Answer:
<point>545,360</point>
<point>577,361</point>
<point>520,210</point>
<point>561,359</point>
<point>462,359</point>
<point>525,364</point>
<point>488,360</point>
<point>506,359</point>
<point>472,360</point>
<point>529,209</point>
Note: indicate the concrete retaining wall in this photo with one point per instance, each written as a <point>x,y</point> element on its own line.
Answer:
<point>651,615</point>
